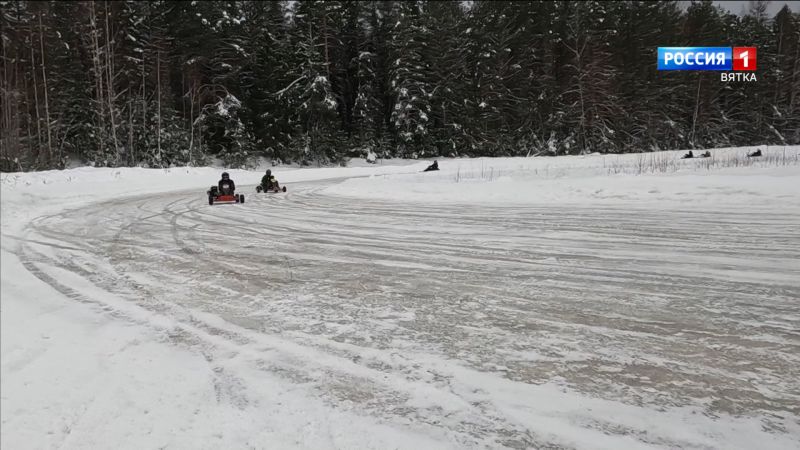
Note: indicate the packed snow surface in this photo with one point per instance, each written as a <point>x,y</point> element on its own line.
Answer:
<point>636,301</point>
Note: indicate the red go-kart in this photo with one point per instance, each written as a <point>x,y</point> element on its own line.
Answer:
<point>224,196</point>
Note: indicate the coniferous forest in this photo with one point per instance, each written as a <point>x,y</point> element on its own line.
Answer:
<point>161,83</point>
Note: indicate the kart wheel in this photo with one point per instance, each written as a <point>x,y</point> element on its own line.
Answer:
<point>241,198</point>
<point>284,189</point>
<point>210,199</point>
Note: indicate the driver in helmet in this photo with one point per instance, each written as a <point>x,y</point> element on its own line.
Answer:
<point>269,183</point>
<point>226,185</point>
<point>265,184</point>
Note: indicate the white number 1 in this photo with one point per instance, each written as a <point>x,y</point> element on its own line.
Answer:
<point>744,55</point>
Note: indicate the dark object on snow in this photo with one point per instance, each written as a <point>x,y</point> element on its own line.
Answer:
<point>266,182</point>
<point>707,154</point>
<point>688,155</point>
<point>260,189</point>
<point>755,154</point>
<point>269,184</point>
<point>226,185</point>
<point>217,195</point>
<point>434,166</point>
<point>265,179</point>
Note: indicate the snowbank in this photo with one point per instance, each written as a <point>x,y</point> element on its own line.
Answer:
<point>755,186</point>
<point>729,177</point>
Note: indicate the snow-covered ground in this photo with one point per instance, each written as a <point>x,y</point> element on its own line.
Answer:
<point>594,179</point>
<point>633,301</point>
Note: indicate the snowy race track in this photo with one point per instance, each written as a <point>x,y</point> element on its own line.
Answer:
<point>473,325</point>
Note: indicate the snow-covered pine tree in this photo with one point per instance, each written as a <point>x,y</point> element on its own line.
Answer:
<point>411,80</point>
<point>704,24</point>
<point>592,103</point>
<point>642,27</point>
<point>125,83</point>
<point>310,96</point>
<point>225,133</point>
<point>267,69</point>
<point>784,76</point>
<point>374,99</point>
<point>497,79</point>
<point>446,23</point>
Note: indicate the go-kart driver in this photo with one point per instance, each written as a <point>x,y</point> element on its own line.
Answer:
<point>226,185</point>
<point>265,180</point>
<point>269,182</point>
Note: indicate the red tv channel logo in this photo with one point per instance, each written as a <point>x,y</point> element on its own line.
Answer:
<point>744,58</point>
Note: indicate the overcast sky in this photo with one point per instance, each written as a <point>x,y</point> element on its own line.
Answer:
<point>773,8</point>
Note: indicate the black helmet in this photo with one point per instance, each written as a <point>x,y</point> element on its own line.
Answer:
<point>225,175</point>
<point>269,172</point>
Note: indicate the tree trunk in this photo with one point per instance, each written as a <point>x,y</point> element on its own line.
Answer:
<point>27,108</point>
<point>130,130</point>
<point>98,77</point>
<point>158,89</point>
<point>325,39</point>
<point>780,77</point>
<point>696,111</point>
<point>46,102</point>
<point>183,89</point>
<point>36,100</point>
<point>191,121</point>
<point>794,88</point>
<point>10,129</point>
<point>144,104</point>
<point>110,88</point>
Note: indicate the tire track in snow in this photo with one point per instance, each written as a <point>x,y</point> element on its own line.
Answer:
<point>585,295</point>
<point>190,330</point>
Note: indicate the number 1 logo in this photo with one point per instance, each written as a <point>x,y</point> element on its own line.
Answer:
<point>744,58</point>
